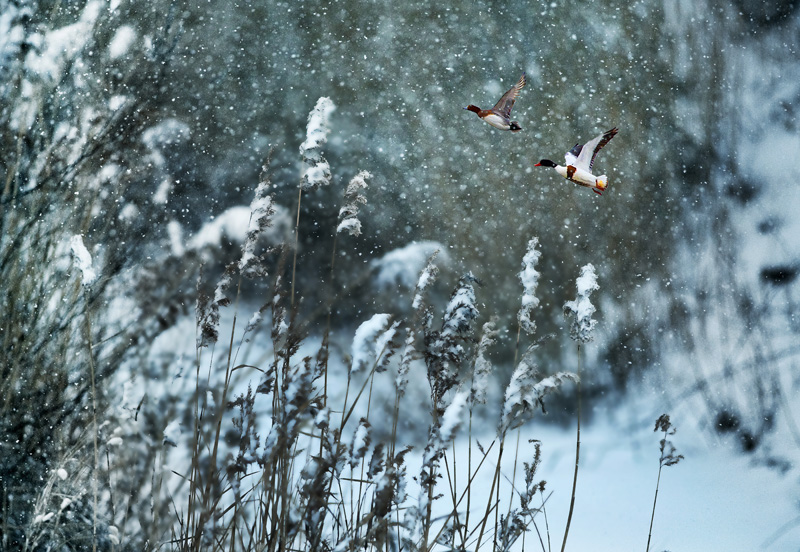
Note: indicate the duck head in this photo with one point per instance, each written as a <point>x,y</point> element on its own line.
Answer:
<point>545,163</point>
<point>473,108</point>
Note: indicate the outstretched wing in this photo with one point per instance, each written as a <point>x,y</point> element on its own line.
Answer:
<point>507,101</point>
<point>587,154</point>
<point>572,155</point>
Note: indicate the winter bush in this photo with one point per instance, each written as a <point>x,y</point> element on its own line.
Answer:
<point>70,312</point>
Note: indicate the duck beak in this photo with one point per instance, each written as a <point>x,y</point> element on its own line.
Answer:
<point>538,165</point>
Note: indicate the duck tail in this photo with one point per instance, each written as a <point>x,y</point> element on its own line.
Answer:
<point>600,184</point>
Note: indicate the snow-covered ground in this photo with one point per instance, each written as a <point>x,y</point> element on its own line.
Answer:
<point>716,498</point>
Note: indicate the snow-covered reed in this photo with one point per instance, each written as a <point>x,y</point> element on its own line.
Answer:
<point>317,171</point>
<point>348,214</point>
<point>581,311</point>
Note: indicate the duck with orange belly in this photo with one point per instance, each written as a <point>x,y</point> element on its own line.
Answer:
<point>500,115</point>
<point>580,160</point>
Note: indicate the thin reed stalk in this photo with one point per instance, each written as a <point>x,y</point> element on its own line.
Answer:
<point>653,513</point>
<point>577,454</point>
<point>469,487</point>
<point>326,334</point>
<point>495,482</point>
<point>296,243</point>
<point>667,458</point>
<point>96,464</point>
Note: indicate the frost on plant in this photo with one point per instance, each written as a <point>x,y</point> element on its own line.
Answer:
<point>461,310</point>
<point>348,214</point>
<point>451,419</point>
<point>581,309</point>
<point>244,427</point>
<point>172,433</point>
<point>385,347</point>
<point>317,171</point>
<point>82,260</point>
<point>529,277</point>
<point>441,434</point>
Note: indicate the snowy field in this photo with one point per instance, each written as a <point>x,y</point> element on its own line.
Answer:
<point>714,499</point>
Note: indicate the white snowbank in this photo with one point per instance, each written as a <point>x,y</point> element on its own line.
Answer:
<point>402,267</point>
<point>232,226</point>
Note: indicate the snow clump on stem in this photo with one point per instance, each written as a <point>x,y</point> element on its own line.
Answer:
<point>82,260</point>
<point>261,209</point>
<point>348,214</point>
<point>426,278</point>
<point>530,280</point>
<point>581,309</point>
<point>365,338</point>
<point>317,172</point>
<point>524,394</point>
<point>483,368</point>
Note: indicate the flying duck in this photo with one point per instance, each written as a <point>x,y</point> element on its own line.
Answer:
<point>580,160</point>
<point>500,115</point>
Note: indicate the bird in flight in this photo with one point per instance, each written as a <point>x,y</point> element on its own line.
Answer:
<point>500,115</point>
<point>580,160</point>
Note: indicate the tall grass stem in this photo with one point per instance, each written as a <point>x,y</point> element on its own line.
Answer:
<point>577,455</point>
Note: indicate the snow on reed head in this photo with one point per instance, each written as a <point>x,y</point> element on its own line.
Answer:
<point>441,435</point>
<point>524,394</point>
<point>581,309</point>
<point>360,443</point>
<point>480,376</point>
<point>317,172</point>
<point>461,309</point>
<point>426,278</point>
<point>364,340</point>
<point>385,347</point>
<point>530,280</point>
<point>207,309</point>
<point>261,209</point>
<point>408,354</point>
<point>348,214</point>
<point>449,423</point>
<point>82,260</point>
